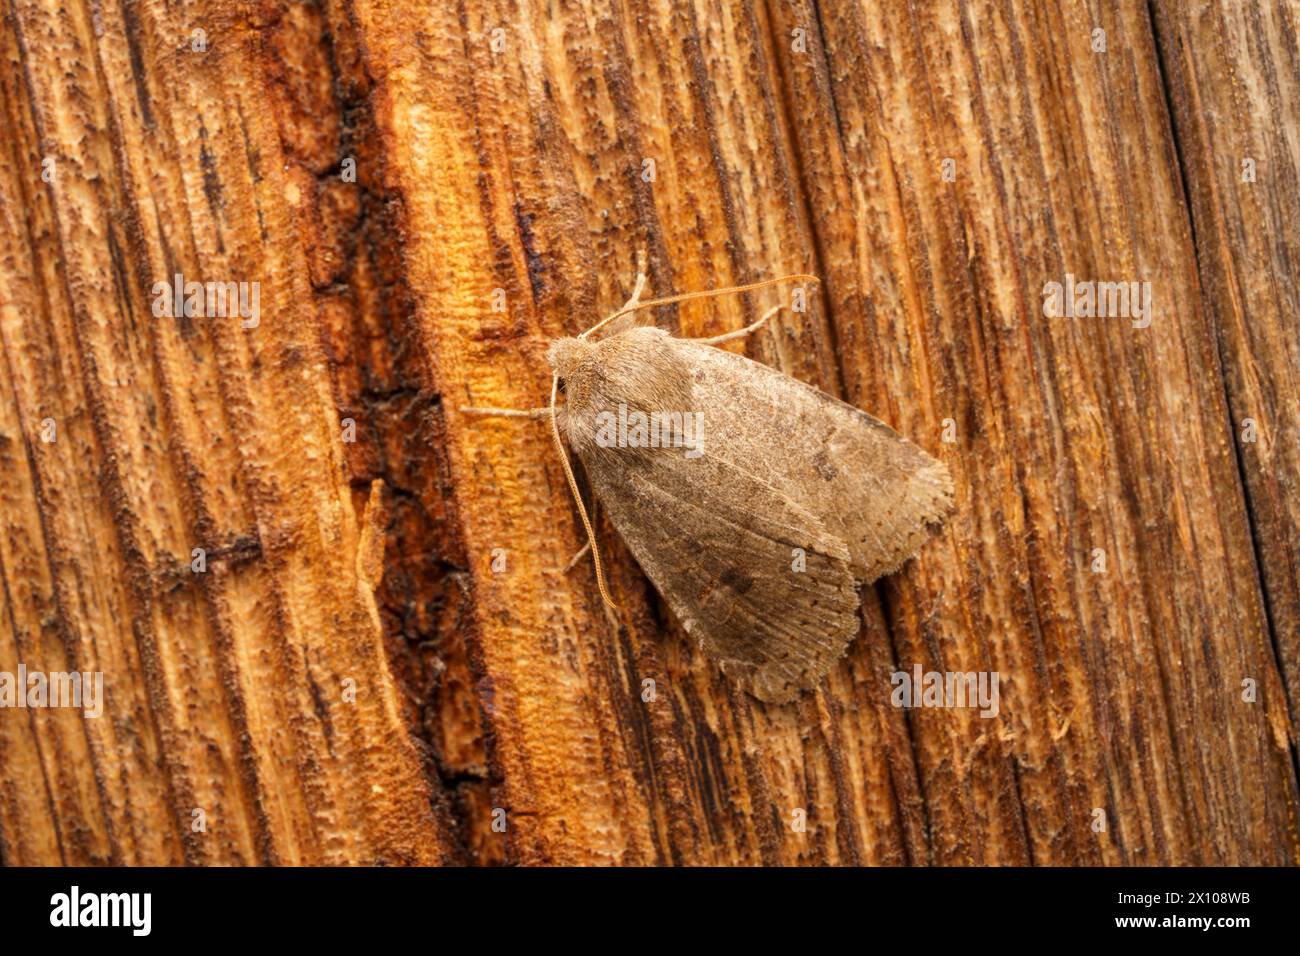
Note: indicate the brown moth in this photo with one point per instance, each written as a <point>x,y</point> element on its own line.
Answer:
<point>758,528</point>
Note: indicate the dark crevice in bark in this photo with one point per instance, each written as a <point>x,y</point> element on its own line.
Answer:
<point>372,340</point>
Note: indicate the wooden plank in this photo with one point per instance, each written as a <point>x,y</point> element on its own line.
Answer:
<point>523,154</point>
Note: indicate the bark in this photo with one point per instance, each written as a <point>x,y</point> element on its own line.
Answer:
<point>511,168</point>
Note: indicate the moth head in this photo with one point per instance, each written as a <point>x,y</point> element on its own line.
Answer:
<point>568,355</point>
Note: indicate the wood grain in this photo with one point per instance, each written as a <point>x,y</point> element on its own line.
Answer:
<point>503,156</point>
<point>1240,154</point>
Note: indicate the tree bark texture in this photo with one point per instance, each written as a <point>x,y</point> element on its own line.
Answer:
<point>935,163</point>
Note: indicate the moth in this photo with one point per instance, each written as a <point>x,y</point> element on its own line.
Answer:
<point>760,524</point>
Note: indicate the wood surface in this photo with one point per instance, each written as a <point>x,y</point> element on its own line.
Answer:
<point>501,151</point>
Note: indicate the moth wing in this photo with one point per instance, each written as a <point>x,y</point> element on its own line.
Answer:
<point>878,491</point>
<point>719,545</point>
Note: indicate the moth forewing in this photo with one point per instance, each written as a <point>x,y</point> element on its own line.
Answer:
<point>880,492</point>
<point>717,542</point>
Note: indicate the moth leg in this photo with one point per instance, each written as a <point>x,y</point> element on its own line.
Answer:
<point>582,553</point>
<point>740,333</point>
<point>639,286</point>
<point>573,561</point>
<point>586,548</point>
<point>621,318</point>
<point>533,413</point>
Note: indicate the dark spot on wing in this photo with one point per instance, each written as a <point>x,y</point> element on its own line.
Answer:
<point>737,580</point>
<point>822,462</point>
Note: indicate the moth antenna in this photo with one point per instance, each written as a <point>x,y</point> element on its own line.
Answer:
<point>573,487</point>
<point>696,295</point>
